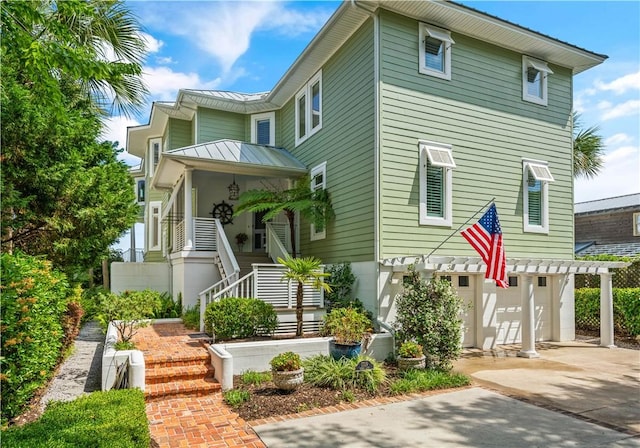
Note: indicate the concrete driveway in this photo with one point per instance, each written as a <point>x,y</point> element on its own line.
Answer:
<point>577,385</point>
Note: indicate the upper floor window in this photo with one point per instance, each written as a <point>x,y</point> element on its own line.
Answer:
<point>636,224</point>
<point>535,187</point>
<point>534,80</point>
<point>154,154</point>
<point>155,226</point>
<point>435,51</point>
<point>436,179</point>
<point>263,129</point>
<point>308,105</point>
<point>140,191</point>
<point>318,182</point>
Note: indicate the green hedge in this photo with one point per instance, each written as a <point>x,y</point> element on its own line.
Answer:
<point>234,317</point>
<point>33,307</point>
<point>626,309</point>
<point>115,418</point>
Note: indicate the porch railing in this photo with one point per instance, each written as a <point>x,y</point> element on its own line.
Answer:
<point>276,240</point>
<point>133,256</point>
<point>204,235</point>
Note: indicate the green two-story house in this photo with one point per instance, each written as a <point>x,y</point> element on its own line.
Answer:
<point>414,116</point>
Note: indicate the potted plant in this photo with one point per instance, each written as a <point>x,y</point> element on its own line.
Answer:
<point>411,356</point>
<point>241,238</point>
<point>287,371</point>
<point>347,326</point>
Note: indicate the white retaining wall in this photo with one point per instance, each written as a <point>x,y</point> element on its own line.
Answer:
<point>139,276</point>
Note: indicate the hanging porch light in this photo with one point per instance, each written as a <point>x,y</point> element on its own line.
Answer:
<point>234,190</point>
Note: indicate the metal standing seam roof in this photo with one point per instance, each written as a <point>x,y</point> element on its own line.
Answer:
<point>239,152</point>
<point>617,202</point>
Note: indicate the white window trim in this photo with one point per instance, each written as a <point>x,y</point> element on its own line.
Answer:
<point>306,91</point>
<point>153,162</point>
<point>544,185</point>
<point>137,188</point>
<point>157,205</point>
<point>544,70</point>
<point>271,116</point>
<point>442,35</point>
<point>425,154</point>
<point>319,169</point>
<point>636,224</point>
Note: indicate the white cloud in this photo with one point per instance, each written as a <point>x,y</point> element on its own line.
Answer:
<point>115,130</point>
<point>619,176</point>
<point>164,83</point>
<point>620,85</point>
<point>153,45</point>
<point>625,109</point>
<point>618,139</point>
<point>165,60</point>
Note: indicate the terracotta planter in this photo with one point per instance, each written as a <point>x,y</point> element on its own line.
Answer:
<point>412,363</point>
<point>288,380</point>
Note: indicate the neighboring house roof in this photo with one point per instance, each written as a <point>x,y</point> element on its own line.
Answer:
<point>607,204</point>
<point>230,156</point>
<point>619,249</point>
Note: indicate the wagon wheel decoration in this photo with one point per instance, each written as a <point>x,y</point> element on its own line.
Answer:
<point>224,212</point>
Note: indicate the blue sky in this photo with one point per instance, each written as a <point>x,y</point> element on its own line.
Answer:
<point>247,47</point>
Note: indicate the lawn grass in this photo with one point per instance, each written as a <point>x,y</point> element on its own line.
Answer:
<point>116,418</point>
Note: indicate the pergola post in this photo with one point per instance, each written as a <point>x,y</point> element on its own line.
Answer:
<point>188,210</point>
<point>528,324</point>
<point>606,311</point>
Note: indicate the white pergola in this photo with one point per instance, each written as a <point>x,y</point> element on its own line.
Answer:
<point>525,269</point>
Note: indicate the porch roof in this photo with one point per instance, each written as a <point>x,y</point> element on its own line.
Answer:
<point>226,156</point>
<point>514,265</point>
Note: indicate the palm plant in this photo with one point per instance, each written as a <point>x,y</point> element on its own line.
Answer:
<point>305,271</point>
<point>315,206</point>
<point>587,149</point>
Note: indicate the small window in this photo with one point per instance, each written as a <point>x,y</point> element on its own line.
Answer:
<point>140,191</point>
<point>154,155</point>
<point>534,80</point>
<point>636,224</point>
<point>435,51</point>
<point>436,164</point>
<point>446,278</point>
<point>155,229</point>
<point>263,130</point>
<point>513,281</point>
<point>308,105</point>
<point>463,281</point>
<point>318,182</point>
<point>542,282</point>
<point>536,177</point>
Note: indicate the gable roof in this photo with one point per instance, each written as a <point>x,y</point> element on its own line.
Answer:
<point>231,156</point>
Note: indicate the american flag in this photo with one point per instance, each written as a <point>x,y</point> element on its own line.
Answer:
<point>486,238</point>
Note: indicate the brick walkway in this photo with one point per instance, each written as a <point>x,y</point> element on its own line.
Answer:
<point>190,421</point>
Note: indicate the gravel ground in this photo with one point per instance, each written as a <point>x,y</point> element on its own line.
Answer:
<point>80,373</point>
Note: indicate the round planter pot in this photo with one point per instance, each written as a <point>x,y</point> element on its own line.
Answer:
<point>412,363</point>
<point>289,380</point>
<point>349,351</point>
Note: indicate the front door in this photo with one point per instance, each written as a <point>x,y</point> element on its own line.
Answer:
<point>259,232</point>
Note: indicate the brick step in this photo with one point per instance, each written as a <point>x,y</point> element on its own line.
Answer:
<point>163,374</point>
<point>185,388</point>
<point>163,361</point>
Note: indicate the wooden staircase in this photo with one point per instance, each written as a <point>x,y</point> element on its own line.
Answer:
<point>186,374</point>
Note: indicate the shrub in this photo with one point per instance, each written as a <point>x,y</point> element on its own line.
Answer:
<point>429,313</point>
<point>32,310</point>
<point>341,374</point>
<point>90,302</point>
<point>128,310</point>
<point>191,317</point>
<point>626,309</point>
<point>341,280</point>
<point>423,380</point>
<point>255,378</point>
<point>410,349</point>
<point>167,307</point>
<point>234,317</point>
<point>285,362</point>
<point>235,397</point>
<point>98,420</point>
<point>347,325</point>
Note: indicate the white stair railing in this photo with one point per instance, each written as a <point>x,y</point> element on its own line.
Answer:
<point>227,287</point>
<point>276,234</point>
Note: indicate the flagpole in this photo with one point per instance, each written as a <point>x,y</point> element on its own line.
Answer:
<point>425,259</point>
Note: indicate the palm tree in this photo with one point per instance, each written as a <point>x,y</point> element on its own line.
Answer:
<point>305,271</point>
<point>587,149</point>
<point>96,44</point>
<point>315,206</point>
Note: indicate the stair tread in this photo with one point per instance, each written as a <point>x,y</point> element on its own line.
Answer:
<point>161,371</point>
<point>202,385</point>
<point>185,359</point>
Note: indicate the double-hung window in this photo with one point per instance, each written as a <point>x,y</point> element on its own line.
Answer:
<point>263,129</point>
<point>534,80</point>
<point>140,191</point>
<point>154,155</point>
<point>436,166</point>
<point>435,51</point>
<point>308,105</point>
<point>318,182</point>
<point>154,227</point>
<point>535,188</point>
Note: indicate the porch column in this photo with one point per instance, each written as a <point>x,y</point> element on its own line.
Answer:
<point>528,323</point>
<point>606,311</point>
<point>188,210</point>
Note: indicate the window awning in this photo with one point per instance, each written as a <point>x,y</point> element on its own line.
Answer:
<point>539,65</point>
<point>540,172</point>
<point>437,33</point>
<point>438,154</point>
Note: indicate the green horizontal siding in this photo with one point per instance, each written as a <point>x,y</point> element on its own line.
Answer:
<point>346,143</point>
<point>481,113</point>
<point>218,125</point>
<point>179,134</point>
